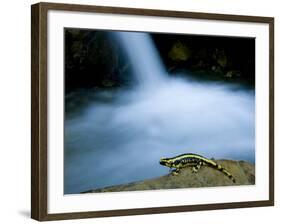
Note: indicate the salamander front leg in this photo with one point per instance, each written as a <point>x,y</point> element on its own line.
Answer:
<point>175,172</point>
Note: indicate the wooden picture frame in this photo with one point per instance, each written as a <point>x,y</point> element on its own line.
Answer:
<point>39,110</point>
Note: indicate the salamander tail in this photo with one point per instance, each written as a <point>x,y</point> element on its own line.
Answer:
<point>223,170</point>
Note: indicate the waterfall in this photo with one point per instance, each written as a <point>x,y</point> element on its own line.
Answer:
<point>143,56</point>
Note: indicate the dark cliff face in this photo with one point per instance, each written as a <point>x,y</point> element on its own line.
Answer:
<point>230,59</point>
<point>93,59</point>
<point>243,172</point>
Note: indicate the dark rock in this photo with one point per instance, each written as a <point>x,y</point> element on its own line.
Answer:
<point>233,74</point>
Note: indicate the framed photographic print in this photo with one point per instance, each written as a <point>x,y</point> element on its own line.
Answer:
<point>138,111</point>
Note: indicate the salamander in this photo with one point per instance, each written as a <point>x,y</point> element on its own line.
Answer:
<point>193,160</point>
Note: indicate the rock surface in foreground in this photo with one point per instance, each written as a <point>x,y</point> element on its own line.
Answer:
<point>243,172</point>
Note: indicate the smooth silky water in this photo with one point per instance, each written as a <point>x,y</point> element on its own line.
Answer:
<point>120,135</point>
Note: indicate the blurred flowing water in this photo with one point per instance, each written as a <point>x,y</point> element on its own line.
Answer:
<point>119,136</point>
<point>147,66</point>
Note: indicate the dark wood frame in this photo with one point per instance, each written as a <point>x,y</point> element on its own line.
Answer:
<point>39,110</point>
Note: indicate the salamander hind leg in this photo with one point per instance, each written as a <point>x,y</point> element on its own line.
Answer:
<point>197,167</point>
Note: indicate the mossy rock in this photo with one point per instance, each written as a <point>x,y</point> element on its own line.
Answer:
<point>179,52</point>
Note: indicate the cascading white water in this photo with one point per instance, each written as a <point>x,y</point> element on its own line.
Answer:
<point>120,139</point>
<point>143,56</point>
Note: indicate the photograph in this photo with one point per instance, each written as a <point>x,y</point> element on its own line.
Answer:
<point>148,111</point>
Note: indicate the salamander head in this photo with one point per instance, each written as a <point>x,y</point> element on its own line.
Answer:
<point>166,162</point>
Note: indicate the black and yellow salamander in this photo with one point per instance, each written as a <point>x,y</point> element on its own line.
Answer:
<point>193,160</point>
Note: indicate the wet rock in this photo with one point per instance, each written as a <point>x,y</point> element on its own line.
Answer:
<point>233,74</point>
